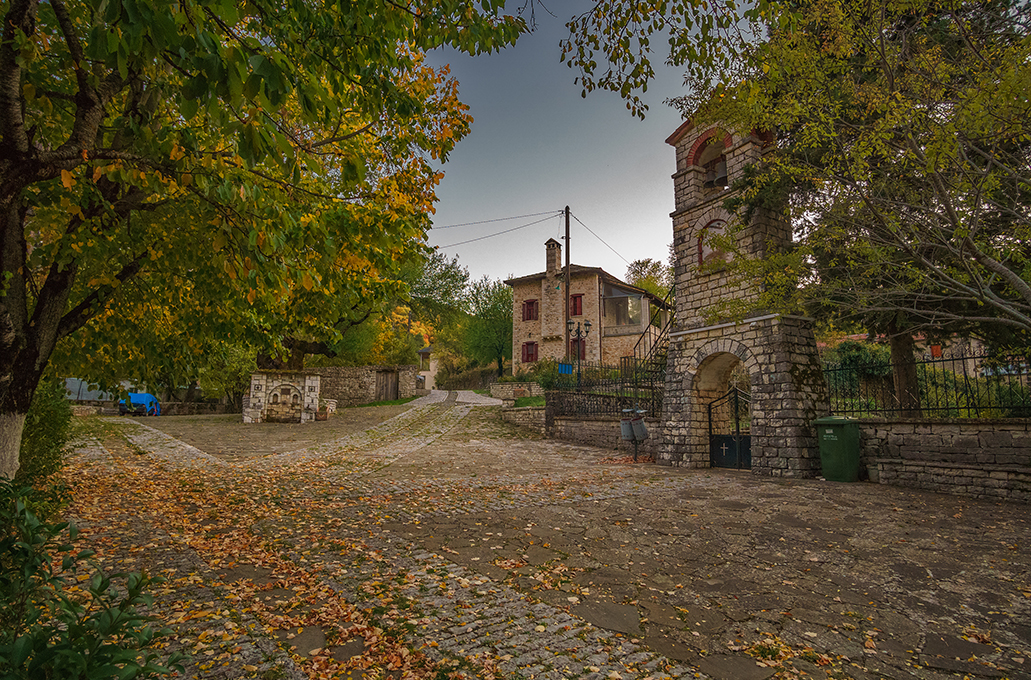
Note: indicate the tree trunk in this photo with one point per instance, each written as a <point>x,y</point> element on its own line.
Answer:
<point>268,362</point>
<point>14,406</point>
<point>11,425</point>
<point>295,362</point>
<point>903,370</point>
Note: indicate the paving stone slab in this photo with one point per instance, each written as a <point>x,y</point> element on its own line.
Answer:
<point>733,667</point>
<point>622,618</point>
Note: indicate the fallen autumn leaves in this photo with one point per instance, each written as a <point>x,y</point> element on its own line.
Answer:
<point>124,502</point>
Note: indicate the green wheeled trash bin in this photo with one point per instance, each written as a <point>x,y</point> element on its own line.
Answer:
<point>839,448</point>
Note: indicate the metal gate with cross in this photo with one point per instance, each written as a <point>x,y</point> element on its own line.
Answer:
<point>730,442</point>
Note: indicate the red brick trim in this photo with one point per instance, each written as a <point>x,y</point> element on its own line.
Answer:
<point>701,142</point>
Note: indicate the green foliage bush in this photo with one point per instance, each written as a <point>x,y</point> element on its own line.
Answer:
<point>45,434</point>
<point>50,629</point>
<point>543,372</point>
<point>473,378</point>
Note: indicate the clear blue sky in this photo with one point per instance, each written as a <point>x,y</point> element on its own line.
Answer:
<point>537,146</point>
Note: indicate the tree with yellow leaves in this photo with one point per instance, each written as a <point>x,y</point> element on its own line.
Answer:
<point>266,163</point>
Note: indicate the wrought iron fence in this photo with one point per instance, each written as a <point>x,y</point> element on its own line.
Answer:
<point>958,385</point>
<point>591,388</point>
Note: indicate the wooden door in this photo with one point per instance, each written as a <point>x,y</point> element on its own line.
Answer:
<point>386,385</point>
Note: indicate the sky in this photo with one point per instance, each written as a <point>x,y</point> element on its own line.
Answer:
<point>536,146</point>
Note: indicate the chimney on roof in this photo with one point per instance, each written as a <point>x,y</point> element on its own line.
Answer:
<point>554,251</point>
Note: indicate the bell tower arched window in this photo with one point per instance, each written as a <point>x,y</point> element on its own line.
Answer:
<point>714,164</point>
<point>706,253</point>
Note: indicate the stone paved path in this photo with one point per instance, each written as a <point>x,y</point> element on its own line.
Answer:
<point>531,558</point>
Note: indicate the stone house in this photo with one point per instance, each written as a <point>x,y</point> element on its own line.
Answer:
<point>619,314</point>
<point>428,367</point>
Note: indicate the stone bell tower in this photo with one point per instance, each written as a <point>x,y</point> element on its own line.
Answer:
<point>777,352</point>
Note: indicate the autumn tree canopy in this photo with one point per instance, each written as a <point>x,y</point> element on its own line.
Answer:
<point>265,165</point>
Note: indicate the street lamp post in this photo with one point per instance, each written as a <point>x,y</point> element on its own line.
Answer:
<point>578,335</point>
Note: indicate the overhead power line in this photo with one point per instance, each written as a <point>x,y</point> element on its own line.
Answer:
<point>601,239</point>
<point>499,219</point>
<point>506,231</point>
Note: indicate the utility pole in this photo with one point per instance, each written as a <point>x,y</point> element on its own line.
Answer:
<point>566,319</point>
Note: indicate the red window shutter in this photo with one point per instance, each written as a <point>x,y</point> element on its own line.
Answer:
<point>524,353</point>
<point>524,311</point>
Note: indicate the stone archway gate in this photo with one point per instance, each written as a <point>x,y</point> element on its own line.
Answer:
<point>787,392</point>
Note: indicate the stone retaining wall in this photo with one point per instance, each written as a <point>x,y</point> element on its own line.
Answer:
<point>603,432</point>
<point>192,408</point>
<point>530,417</point>
<point>514,390</point>
<point>356,385</point>
<point>980,458</point>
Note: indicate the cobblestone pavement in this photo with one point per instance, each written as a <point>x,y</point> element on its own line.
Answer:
<point>485,551</point>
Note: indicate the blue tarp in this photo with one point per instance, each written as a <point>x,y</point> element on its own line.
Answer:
<point>147,400</point>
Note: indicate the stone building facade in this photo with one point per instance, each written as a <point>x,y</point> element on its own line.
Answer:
<point>778,353</point>
<point>619,313</point>
<point>282,397</point>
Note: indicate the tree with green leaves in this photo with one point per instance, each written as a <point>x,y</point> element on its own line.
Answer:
<point>265,163</point>
<point>901,149</point>
<point>437,293</point>
<point>488,333</point>
<point>654,276</point>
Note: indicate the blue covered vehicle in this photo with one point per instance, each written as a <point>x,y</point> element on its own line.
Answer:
<point>140,404</point>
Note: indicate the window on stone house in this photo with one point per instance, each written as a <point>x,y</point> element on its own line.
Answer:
<point>295,399</point>
<point>530,310</point>
<point>529,352</point>
<point>576,305</point>
<point>275,398</point>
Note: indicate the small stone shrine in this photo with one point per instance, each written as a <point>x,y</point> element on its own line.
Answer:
<point>282,397</point>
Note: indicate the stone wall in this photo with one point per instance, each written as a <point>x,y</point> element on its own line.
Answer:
<point>193,408</point>
<point>603,432</point>
<point>980,458</point>
<point>356,385</point>
<point>514,390</point>
<point>530,417</point>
